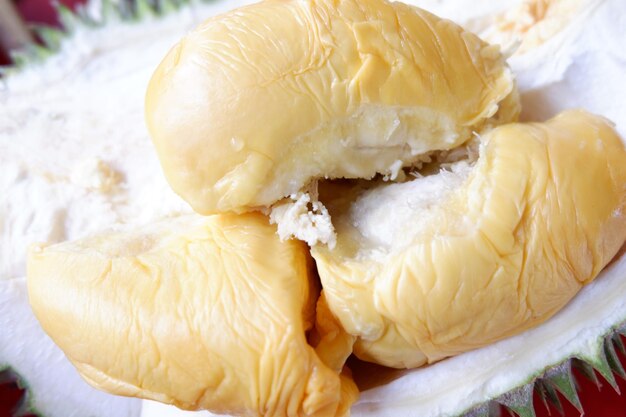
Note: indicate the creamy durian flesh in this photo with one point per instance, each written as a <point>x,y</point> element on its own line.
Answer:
<point>236,130</point>
<point>199,312</point>
<point>254,104</point>
<point>451,262</point>
<point>531,23</point>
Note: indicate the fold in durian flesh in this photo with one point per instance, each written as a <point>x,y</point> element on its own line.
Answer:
<point>256,103</point>
<point>447,263</point>
<point>199,312</point>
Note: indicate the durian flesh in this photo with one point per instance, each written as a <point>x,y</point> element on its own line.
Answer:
<point>519,26</point>
<point>254,104</point>
<point>431,392</point>
<point>452,262</point>
<point>203,313</point>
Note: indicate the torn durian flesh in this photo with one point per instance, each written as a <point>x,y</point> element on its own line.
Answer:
<point>199,312</point>
<point>447,263</point>
<point>254,104</point>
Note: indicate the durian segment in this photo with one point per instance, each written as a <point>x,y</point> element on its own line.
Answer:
<point>199,312</point>
<point>254,104</point>
<point>496,372</point>
<point>465,12</point>
<point>418,276</point>
<point>519,26</point>
<point>533,22</point>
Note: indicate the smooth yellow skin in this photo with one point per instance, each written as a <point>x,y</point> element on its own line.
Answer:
<point>203,313</point>
<point>540,214</point>
<point>254,104</point>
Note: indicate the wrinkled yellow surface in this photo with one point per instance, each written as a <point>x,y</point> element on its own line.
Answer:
<point>204,313</point>
<point>255,103</point>
<point>540,214</point>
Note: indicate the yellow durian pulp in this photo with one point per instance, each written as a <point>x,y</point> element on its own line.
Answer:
<point>217,313</point>
<point>451,262</point>
<point>203,313</point>
<point>532,23</point>
<point>254,104</point>
<point>518,26</point>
